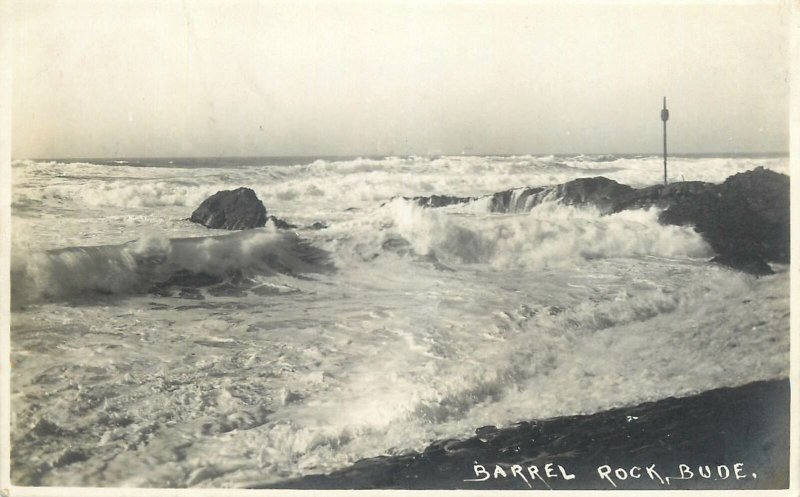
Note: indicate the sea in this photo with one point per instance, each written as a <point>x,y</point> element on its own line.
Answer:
<point>150,351</point>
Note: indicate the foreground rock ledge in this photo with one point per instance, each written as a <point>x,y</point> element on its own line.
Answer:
<point>748,424</point>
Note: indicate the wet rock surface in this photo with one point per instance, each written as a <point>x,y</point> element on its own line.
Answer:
<point>722,427</point>
<point>238,209</point>
<point>744,219</point>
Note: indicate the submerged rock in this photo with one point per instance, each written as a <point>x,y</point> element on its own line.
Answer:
<point>238,209</point>
<point>281,224</point>
<point>440,200</point>
<point>746,262</point>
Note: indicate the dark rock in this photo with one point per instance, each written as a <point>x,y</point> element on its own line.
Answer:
<point>600,192</point>
<point>227,290</point>
<point>265,291</point>
<point>440,200</point>
<point>319,225</point>
<point>520,199</point>
<point>603,193</point>
<point>441,267</point>
<point>396,244</point>
<point>281,224</point>
<point>745,219</point>
<point>232,210</point>
<point>717,427</point>
<point>188,278</point>
<point>45,428</point>
<point>765,196</point>
<point>660,195</point>
<point>746,262</point>
<point>486,432</point>
<point>71,456</point>
<point>433,201</point>
<point>765,192</point>
<point>191,294</point>
<point>747,215</point>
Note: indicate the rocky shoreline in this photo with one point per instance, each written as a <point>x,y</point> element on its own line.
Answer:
<point>745,219</point>
<point>727,438</point>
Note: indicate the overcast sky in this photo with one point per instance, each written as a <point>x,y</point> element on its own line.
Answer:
<point>116,79</point>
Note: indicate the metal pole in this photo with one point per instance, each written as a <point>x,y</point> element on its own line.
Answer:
<point>664,117</point>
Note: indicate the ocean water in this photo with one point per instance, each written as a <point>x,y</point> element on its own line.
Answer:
<point>151,351</point>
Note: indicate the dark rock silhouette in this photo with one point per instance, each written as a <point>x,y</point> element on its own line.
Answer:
<point>745,217</point>
<point>746,262</point>
<point>660,195</point>
<point>281,224</point>
<point>600,192</point>
<point>439,200</point>
<point>520,199</point>
<point>238,209</point>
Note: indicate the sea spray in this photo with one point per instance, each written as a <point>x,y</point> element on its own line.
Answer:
<point>162,353</point>
<point>550,234</point>
<point>143,265</point>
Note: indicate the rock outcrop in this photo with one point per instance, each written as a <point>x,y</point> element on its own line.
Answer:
<point>744,261</point>
<point>601,192</point>
<point>238,209</point>
<point>745,219</point>
<point>717,425</point>
<point>281,224</point>
<point>661,196</point>
<point>439,200</point>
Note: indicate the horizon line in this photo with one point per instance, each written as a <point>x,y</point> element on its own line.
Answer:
<point>374,155</point>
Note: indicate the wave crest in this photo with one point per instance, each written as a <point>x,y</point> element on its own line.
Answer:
<point>550,234</point>
<point>154,263</point>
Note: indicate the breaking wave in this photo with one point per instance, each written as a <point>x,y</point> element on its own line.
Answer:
<point>550,234</point>
<point>150,264</point>
<point>390,327</point>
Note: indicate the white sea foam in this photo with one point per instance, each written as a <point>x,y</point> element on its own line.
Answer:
<point>135,267</point>
<point>392,327</point>
<point>338,183</point>
<point>550,234</point>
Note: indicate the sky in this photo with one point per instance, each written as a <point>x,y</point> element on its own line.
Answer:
<point>225,78</point>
